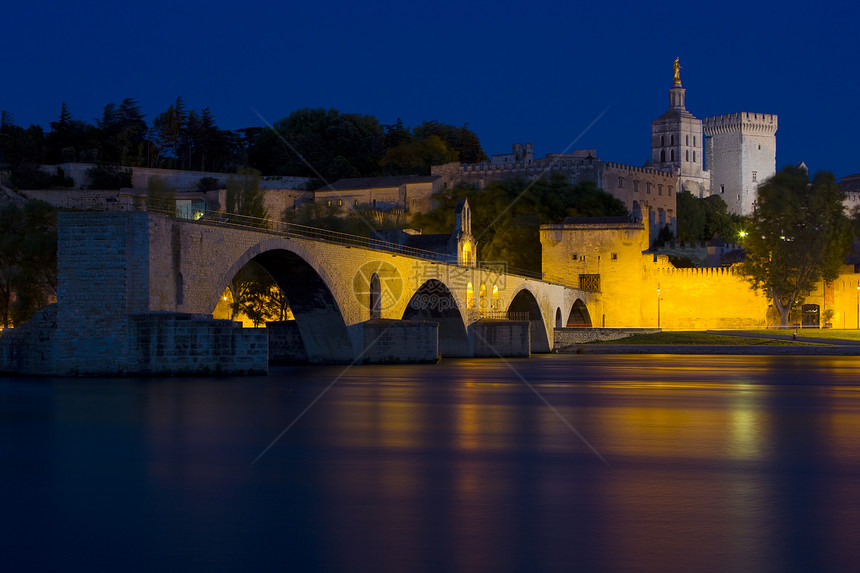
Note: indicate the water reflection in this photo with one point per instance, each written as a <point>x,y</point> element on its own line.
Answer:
<point>715,464</point>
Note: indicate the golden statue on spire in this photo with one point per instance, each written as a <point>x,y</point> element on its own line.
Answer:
<point>677,78</point>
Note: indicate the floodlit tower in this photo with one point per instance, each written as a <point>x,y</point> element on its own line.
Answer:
<point>676,141</point>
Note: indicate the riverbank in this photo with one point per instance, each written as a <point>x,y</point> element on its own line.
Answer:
<point>748,350</point>
<point>749,343</point>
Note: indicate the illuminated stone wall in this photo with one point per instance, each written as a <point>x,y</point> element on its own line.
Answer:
<point>642,289</point>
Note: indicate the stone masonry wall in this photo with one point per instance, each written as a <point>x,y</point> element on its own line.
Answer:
<point>400,341</point>
<point>566,337</point>
<point>181,344</point>
<point>29,348</point>
<point>494,338</point>
<point>285,342</point>
<point>103,276</point>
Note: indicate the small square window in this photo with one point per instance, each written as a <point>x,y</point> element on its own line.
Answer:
<point>614,256</point>
<point>575,256</point>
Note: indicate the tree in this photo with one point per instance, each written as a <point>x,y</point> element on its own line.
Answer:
<point>701,219</point>
<point>318,141</point>
<point>108,177</point>
<point>257,296</point>
<point>460,140</point>
<point>123,133</point>
<point>28,259</point>
<point>507,214</point>
<point>160,196</point>
<point>244,197</point>
<point>798,235</point>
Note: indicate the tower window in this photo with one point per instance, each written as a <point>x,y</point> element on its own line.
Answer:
<point>688,140</point>
<point>614,256</point>
<point>663,142</point>
<point>694,141</point>
<point>671,140</point>
<point>662,155</point>
<point>722,189</point>
<point>648,188</point>
<point>687,155</point>
<point>659,189</point>
<point>621,182</point>
<point>669,191</point>
<point>672,153</point>
<point>694,156</point>
<point>755,175</point>
<point>636,185</point>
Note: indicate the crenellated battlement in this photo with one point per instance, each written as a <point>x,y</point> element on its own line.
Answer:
<point>648,170</point>
<point>670,271</point>
<point>747,122</point>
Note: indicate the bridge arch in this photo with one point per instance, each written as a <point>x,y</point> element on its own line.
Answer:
<point>579,315</point>
<point>433,301</point>
<point>318,315</point>
<point>525,302</point>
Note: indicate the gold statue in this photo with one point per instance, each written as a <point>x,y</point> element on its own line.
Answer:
<point>677,67</point>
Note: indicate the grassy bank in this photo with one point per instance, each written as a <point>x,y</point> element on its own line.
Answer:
<point>812,333</point>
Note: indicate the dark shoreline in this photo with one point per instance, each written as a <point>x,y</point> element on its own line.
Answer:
<point>775,349</point>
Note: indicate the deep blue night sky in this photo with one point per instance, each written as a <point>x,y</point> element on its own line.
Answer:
<point>514,71</point>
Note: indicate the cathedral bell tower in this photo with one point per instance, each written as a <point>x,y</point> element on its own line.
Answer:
<point>677,141</point>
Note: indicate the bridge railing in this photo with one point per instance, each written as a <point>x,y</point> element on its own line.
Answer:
<point>234,220</point>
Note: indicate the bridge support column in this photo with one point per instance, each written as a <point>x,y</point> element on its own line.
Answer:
<point>505,338</point>
<point>385,341</point>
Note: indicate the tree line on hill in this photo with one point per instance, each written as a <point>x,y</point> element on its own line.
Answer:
<point>323,144</point>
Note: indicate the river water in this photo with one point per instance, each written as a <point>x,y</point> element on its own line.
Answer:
<point>556,463</point>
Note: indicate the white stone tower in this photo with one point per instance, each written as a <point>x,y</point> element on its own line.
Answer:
<point>741,154</point>
<point>676,142</point>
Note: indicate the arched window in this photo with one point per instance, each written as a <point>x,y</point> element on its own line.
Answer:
<point>662,141</point>
<point>688,139</point>
<point>673,155</point>
<point>688,155</point>
<point>467,254</point>
<point>470,295</point>
<point>694,156</point>
<point>495,296</point>
<point>482,299</point>
<point>672,140</point>
<point>662,155</point>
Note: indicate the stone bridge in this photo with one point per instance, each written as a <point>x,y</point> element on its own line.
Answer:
<point>124,276</point>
